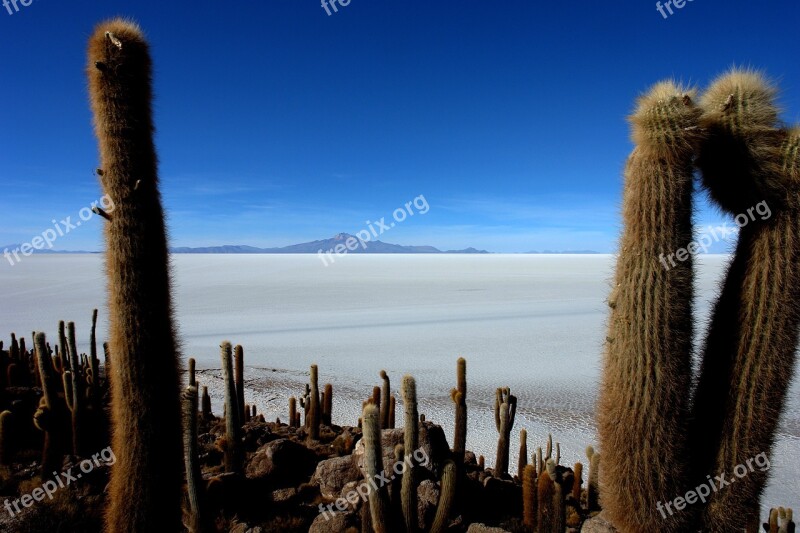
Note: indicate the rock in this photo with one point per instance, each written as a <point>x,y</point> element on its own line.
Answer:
<point>283,495</point>
<point>244,528</point>
<point>427,499</point>
<point>332,523</point>
<point>597,524</point>
<point>480,528</point>
<point>333,474</point>
<point>285,462</point>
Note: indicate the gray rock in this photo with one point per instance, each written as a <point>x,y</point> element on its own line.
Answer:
<point>333,474</point>
<point>597,524</point>
<point>481,528</point>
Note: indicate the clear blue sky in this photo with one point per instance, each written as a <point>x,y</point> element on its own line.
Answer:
<point>278,123</point>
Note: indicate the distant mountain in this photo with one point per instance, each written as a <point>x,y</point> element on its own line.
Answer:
<point>342,239</point>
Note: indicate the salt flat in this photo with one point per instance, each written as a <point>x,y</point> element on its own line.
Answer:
<point>535,323</point>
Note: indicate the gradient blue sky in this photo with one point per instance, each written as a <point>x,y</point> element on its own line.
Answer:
<point>280,124</point>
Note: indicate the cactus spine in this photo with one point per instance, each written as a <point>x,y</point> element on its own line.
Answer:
<point>233,456</point>
<point>747,163</point>
<point>146,481</point>
<point>408,488</point>
<point>647,364</point>
<point>373,462</point>
<point>505,409</point>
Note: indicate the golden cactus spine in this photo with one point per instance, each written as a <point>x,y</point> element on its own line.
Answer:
<point>647,365</point>
<point>145,487</point>
<point>749,354</point>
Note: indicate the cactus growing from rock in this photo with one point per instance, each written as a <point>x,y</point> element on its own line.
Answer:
<point>145,487</point>
<point>62,346</point>
<point>647,364</point>
<point>550,505</point>
<point>505,410</point>
<point>408,489</point>
<point>76,404</point>
<point>593,483</point>
<point>233,426</point>
<point>749,353</point>
<point>373,461</point>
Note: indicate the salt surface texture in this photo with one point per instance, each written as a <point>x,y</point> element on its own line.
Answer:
<point>535,323</point>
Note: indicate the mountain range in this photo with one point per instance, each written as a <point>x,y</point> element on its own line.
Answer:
<point>356,247</point>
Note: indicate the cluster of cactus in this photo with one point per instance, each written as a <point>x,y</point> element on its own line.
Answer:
<point>71,410</point>
<point>382,518</point>
<point>317,407</point>
<point>747,161</point>
<point>780,521</point>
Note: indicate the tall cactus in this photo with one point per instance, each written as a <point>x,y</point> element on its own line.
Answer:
<point>408,490</point>
<point>77,404</point>
<point>327,405</point>
<point>194,479</point>
<point>233,426</point>
<point>459,397</point>
<point>314,414</point>
<point>50,416</point>
<point>647,365</point>
<point>505,410</point>
<point>145,487</point>
<point>386,391</point>
<point>379,508</point>
<point>748,163</point>
<point>238,352</point>
<point>523,452</point>
<point>447,495</point>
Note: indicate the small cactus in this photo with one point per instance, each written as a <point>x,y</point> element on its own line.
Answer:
<point>327,405</point>
<point>6,437</point>
<point>523,452</point>
<point>194,479</point>
<point>505,410</point>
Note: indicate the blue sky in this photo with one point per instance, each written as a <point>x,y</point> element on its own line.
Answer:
<point>278,123</point>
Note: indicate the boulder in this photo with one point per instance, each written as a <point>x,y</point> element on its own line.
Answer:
<point>333,474</point>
